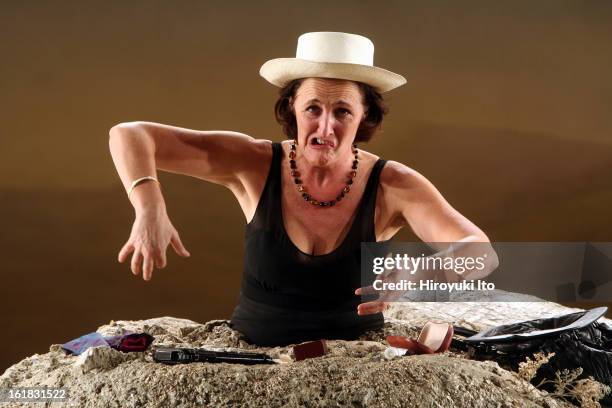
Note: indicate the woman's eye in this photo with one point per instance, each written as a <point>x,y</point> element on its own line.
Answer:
<point>344,112</point>
<point>312,109</point>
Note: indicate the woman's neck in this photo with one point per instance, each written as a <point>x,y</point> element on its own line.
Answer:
<point>328,175</point>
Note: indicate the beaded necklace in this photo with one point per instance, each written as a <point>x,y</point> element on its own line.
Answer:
<point>301,189</point>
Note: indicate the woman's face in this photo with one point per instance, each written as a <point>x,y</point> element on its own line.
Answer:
<point>328,113</point>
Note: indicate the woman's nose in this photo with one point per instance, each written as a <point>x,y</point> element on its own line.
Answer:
<point>327,123</point>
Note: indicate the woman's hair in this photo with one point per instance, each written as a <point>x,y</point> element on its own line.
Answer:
<point>373,102</point>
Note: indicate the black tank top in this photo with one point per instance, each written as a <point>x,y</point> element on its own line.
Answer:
<point>288,296</point>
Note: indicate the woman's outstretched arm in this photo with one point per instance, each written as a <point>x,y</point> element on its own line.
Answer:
<point>412,200</point>
<point>139,149</point>
<point>417,203</point>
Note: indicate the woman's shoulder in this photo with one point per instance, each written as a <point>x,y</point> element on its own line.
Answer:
<point>401,186</point>
<point>399,176</point>
<point>393,173</point>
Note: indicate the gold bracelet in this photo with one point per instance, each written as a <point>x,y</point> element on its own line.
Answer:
<point>139,181</point>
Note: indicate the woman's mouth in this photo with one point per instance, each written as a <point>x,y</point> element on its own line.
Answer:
<point>318,142</point>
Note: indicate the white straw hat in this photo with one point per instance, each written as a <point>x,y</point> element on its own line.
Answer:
<point>331,55</point>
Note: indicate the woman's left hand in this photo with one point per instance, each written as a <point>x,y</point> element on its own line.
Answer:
<point>384,297</point>
<point>372,307</point>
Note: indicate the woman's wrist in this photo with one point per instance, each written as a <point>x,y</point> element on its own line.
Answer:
<point>141,180</point>
<point>148,199</point>
<point>150,210</point>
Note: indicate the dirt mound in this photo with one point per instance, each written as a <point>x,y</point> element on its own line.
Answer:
<point>354,373</point>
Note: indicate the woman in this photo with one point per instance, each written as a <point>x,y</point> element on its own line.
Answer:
<point>309,201</point>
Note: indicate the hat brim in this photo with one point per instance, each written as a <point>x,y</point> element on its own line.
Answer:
<point>281,71</point>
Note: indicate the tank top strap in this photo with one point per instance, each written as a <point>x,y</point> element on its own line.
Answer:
<point>267,210</point>
<point>367,206</point>
<point>275,168</point>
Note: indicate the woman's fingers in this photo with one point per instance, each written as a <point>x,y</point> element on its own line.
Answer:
<point>144,260</point>
<point>148,244</point>
<point>367,290</point>
<point>147,265</point>
<point>160,258</point>
<point>372,307</point>
<point>383,295</point>
<point>125,251</point>
<point>136,262</point>
<point>178,245</point>
<point>369,308</point>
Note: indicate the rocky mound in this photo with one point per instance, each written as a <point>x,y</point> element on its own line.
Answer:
<point>354,373</point>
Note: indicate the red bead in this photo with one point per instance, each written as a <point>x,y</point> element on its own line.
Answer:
<point>292,154</point>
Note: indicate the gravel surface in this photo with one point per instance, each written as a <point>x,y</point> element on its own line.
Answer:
<point>353,374</point>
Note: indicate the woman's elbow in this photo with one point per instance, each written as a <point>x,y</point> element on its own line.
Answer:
<point>122,128</point>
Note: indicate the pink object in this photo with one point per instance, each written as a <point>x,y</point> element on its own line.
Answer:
<point>434,338</point>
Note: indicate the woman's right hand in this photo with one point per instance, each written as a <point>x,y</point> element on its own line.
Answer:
<point>151,233</point>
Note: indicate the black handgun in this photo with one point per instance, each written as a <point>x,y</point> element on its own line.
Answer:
<point>172,355</point>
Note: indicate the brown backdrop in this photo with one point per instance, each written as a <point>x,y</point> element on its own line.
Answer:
<point>506,110</point>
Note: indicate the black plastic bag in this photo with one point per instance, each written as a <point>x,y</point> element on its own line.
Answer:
<point>577,340</point>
